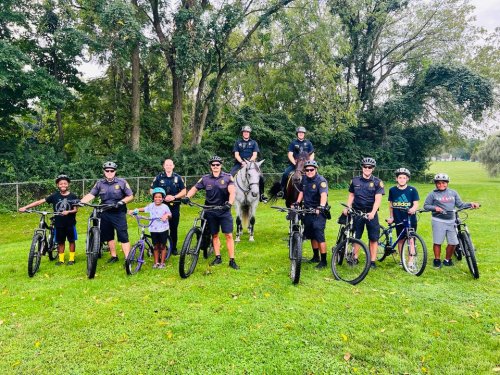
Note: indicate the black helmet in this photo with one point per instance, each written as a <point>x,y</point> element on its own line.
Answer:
<point>300,129</point>
<point>110,165</point>
<point>368,161</point>
<point>246,128</point>
<point>215,158</point>
<point>311,163</point>
<point>62,177</point>
<point>402,171</point>
<point>441,177</point>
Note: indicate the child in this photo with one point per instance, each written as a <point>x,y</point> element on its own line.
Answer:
<point>403,196</point>
<point>441,202</point>
<point>65,224</point>
<point>158,229</point>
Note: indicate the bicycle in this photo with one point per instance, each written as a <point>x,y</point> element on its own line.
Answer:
<point>198,238</point>
<point>135,258</point>
<point>350,256</point>
<point>93,245</point>
<point>413,254</point>
<point>42,243</point>
<point>295,238</point>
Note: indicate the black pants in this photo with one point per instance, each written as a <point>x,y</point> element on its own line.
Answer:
<point>174,223</point>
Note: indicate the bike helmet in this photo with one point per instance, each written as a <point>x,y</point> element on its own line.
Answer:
<point>300,129</point>
<point>246,128</point>
<point>368,161</point>
<point>158,190</point>
<point>110,165</point>
<point>311,163</point>
<point>62,177</point>
<point>402,171</point>
<point>441,177</point>
<point>215,158</point>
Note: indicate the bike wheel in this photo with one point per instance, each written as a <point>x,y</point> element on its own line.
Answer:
<point>52,245</point>
<point>168,248</point>
<point>135,259</point>
<point>382,242</point>
<point>458,251</point>
<point>94,244</point>
<point>189,253</point>
<point>348,267</point>
<point>35,254</point>
<point>414,254</point>
<point>295,257</point>
<point>470,254</point>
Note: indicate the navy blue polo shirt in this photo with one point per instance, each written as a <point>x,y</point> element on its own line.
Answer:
<point>111,192</point>
<point>246,148</point>
<point>365,190</point>
<point>172,185</point>
<point>312,189</point>
<point>216,188</point>
<point>300,146</point>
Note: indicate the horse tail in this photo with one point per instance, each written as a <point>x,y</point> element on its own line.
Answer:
<point>273,192</point>
<point>245,214</point>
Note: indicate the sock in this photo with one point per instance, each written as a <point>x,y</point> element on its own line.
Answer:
<point>61,257</point>
<point>316,253</point>
<point>71,256</point>
<point>323,258</point>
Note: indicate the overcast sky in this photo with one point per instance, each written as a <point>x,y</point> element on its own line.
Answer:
<point>487,15</point>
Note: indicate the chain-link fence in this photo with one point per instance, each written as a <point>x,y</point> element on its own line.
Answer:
<point>18,194</point>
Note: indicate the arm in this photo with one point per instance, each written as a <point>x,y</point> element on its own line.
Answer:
<point>350,199</point>
<point>291,158</point>
<point>300,197</point>
<point>238,157</point>
<point>74,210</point>
<point>87,198</point>
<point>413,208</point>
<point>180,194</point>
<point>32,204</point>
<point>232,193</point>
<point>134,211</point>
<point>311,156</point>
<point>254,156</point>
<point>191,192</point>
<point>376,206</point>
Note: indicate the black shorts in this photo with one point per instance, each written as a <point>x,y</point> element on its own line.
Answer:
<point>314,227</point>
<point>372,226</point>
<point>219,220</point>
<point>399,228</point>
<point>66,233</point>
<point>111,221</point>
<point>159,237</point>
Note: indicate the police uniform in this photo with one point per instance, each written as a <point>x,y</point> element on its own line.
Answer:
<point>312,188</point>
<point>217,194</point>
<point>246,150</point>
<point>172,186</point>
<point>111,192</point>
<point>364,191</point>
<point>296,147</point>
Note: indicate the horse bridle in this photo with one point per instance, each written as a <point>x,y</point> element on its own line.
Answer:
<point>250,184</point>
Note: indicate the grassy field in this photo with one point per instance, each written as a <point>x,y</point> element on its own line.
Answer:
<point>254,320</point>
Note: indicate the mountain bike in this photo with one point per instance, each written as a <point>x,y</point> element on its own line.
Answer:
<point>135,258</point>
<point>295,238</point>
<point>198,238</point>
<point>93,245</point>
<point>43,242</point>
<point>413,253</point>
<point>350,258</point>
<point>465,246</point>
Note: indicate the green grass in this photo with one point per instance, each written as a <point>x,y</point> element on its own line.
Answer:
<point>254,320</point>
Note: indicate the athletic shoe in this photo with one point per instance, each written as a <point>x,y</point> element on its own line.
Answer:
<point>314,259</point>
<point>373,265</point>
<point>447,263</point>
<point>156,265</point>
<point>437,263</point>
<point>59,263</point>
<point>233,265</point>
<point>175,252</point>
<point>70,263</point>
<point>112,260</point>
<point>161,266</point>
<point>217,260</point>
<point>321,265</point>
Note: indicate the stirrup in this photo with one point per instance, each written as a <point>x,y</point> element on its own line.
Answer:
<point>280,194</point>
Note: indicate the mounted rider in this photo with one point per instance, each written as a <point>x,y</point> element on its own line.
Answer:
<point>246,149</point>
<point>294,149</point>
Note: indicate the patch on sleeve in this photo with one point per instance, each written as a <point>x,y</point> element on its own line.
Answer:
<point>323,184</point>
<point>127,185</point>
<point>199,180</point>
<point>381,184</point>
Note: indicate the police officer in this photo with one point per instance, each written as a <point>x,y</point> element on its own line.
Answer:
<point>174,188</point>
<point>247,149</point>
<point>294,149</point>
<point>219,191</point>
<point>365,194</point>
<point>313,191</point>
<point>116,191</point>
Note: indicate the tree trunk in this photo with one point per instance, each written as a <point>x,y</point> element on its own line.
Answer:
<point>177,100</point>
<point>136,100</point>
<point>60,128</point>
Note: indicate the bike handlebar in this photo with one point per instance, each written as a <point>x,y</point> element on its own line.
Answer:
<point>295,210</point>
<point>44,213</point>
<point>355,212</point>
<point>206,208</point>
<point>103,206</point>
<point>139,218</point>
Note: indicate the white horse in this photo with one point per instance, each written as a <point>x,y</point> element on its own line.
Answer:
<point>247,197</point>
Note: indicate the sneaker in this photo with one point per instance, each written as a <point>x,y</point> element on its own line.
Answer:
<point>373,265</point>
<point>70,263</point>
<point>112,260</point>
<point>217,260</point>
<point>161,266</point>
<point>447,263</point>
<point>59,263</point>
<point>156,265</point>
<point>437,263</point>
<point>175,252</point>
<point>314,259</point>
<point>233,265</point>
<point>321,265</point>
<point>263,198</point>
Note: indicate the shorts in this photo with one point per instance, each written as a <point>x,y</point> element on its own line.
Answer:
<point>111,221</point>
<point>314,227</point>
<point>399,228</point>
<point>219,220</point>
<point>372,226</point>
<point>66,233</point>
<point>159,237</point>
<point>442,229</point>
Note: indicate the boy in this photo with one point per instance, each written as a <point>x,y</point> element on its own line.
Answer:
<point>158,228</point>
<point>66,222</point>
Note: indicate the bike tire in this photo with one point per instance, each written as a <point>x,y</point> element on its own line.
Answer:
<point>470,254</point>
<point>52,245</point>
<point>344,265</point>
<point>414,260</point>
<point>382,242</point>
<point>35,254</point>
<point>190,253</point>
<point>296,258</point>
<point>168,248</point>
<point>135,259</point>
<point>94,245</point>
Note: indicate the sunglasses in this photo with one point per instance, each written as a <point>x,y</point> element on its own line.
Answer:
<point>109,170</point>
<point>368,166</point>
<point>309,169</point>
<point>215,165</point>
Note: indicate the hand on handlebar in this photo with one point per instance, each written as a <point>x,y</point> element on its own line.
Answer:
<point>185,200</point>
<point>227,206</point>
